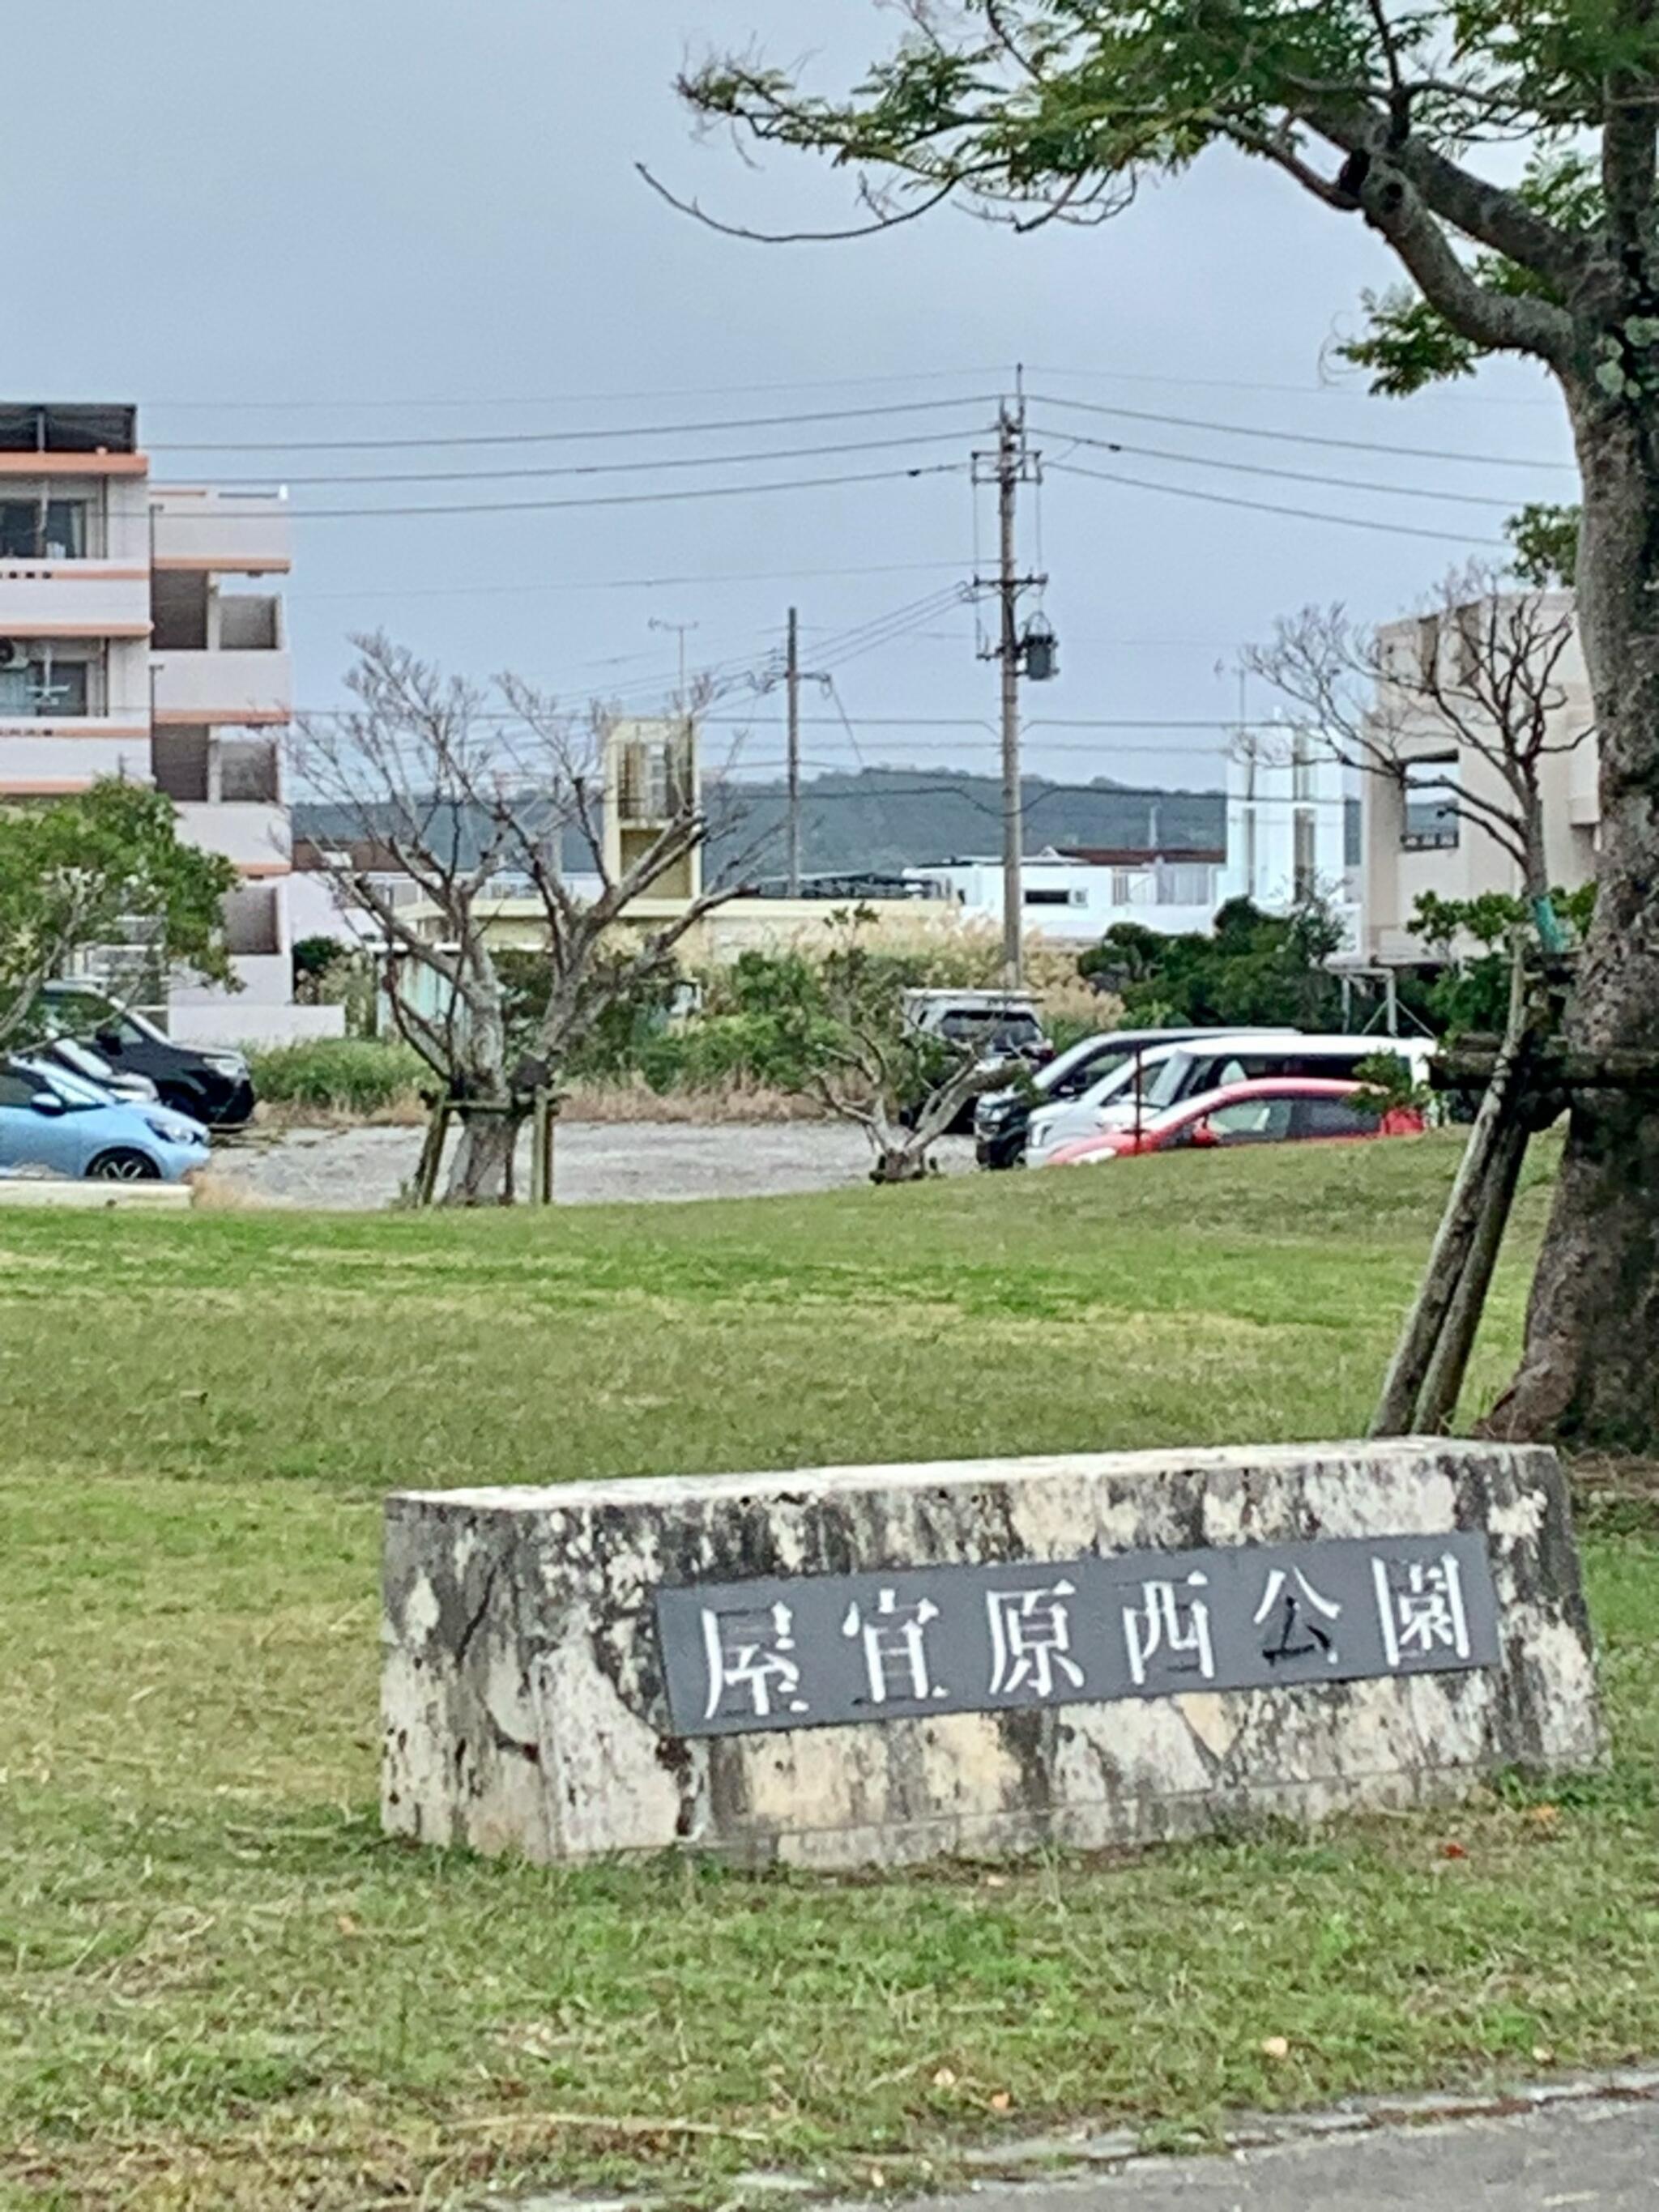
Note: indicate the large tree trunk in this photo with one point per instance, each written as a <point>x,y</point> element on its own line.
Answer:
<point>480,1172</point>
<point>1590,1372</point>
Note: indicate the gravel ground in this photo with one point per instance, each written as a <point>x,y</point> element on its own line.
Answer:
<point>361,1170</point>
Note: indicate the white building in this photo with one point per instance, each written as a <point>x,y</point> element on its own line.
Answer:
<point>1292,825</point>
<point>1075,895</point>
<point>125,649</point>
<point>1413,837</point>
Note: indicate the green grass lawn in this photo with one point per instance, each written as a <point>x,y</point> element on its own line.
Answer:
<point>219,1989</point>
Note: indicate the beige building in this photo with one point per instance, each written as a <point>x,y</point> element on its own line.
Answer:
<point>131,645</point>
<point>1412,838</point>
<point>648,768</point>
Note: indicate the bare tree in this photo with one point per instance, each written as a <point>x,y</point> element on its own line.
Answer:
<point>865,1063</point>
<point>469,793</point>
<point>1482,670</point>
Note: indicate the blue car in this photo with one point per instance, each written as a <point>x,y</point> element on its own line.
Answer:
<point>53,1120</point>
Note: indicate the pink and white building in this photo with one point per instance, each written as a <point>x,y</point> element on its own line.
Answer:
<point>140,636</point>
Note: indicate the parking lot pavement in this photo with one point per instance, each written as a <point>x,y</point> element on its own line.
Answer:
<point>364,1168</point>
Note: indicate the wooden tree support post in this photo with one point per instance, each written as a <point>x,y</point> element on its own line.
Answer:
<point>1443,1384</point>
<point>432,1152</point>
<point>1421,1389</point>
<point>544,1115</point>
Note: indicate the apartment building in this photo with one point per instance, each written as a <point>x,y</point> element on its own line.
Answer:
<point>1415,836</point>
<point>140,637</point>
<point>1074,895</point>
<point>1293,825</point>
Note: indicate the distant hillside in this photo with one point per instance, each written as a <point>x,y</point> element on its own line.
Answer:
<point>883,819</point>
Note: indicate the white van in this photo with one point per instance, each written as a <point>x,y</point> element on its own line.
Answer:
<point>1166,1074</point>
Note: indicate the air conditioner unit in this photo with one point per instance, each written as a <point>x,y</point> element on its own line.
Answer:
<point>14,653</point>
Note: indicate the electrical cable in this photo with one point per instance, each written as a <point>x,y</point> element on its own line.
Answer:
<point>1300,437</point>
<point>574,437</point>
<point>1288,476</point>
<point>631,468</point>
<point>1265,506</point>
<point>608,499</point>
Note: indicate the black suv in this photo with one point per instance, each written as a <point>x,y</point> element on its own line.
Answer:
<point>210,1083</point>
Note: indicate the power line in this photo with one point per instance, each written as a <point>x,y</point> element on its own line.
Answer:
<point>1165,378</point>
<point>1303,437</point>
<point>578,398</point>
<point>609,499</point>
<point>574,437</point>
<point>618,583</point>
<point>1291,476</point>
<point>630,468</point>
<point>1266,506</point>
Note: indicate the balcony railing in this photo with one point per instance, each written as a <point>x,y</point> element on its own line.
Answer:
<point>223,687</point>
<point>233,532</point>
<point>73,598</point>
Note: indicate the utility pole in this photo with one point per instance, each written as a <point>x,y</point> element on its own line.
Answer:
<point>791,676</point>
<point>679,630</point>
<point>792,680</point>
<point>1013,464</point>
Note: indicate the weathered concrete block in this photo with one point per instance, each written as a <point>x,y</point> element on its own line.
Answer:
<point>877,1664</point>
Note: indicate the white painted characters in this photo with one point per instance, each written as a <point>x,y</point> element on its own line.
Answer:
<point>1420,1606</point>
<point>1169,1622</point>
<point>894,1642</point>
<point>1299,1614</point>
<point>1031,1639</point>
<point>751,1663</point>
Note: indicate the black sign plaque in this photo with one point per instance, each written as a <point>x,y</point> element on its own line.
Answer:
<point>823,1650</point>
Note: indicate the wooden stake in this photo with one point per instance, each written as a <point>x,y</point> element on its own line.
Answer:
<point>541,1150</point>
<point>1443,1385</point>
<point>1473,1196</point>
<point>432,1152</point>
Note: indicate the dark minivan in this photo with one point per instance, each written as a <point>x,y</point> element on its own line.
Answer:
<point>210,1083</point>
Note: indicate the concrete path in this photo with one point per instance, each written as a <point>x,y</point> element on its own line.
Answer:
<point>1600,2154</point>
<point>1592,2143</point>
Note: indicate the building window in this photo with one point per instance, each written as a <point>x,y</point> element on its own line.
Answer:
<point>1046,896</point>
<point>1185,883</point>
<point>43,530</point>
<point>1429,789</point>
<point>1303,864</point>
<point>46,689</point>
<point>1302,766</point>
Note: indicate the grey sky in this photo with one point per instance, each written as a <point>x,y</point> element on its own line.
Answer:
<point>406,218</point>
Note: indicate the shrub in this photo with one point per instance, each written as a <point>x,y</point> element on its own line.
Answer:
<point>338,1075</point>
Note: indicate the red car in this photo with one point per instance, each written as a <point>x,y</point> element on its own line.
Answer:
<point>1272,1110</point>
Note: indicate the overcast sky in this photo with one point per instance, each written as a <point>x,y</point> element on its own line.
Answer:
<point>329,220</point>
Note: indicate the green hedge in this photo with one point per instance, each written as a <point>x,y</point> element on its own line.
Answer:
<point>344,1075</point>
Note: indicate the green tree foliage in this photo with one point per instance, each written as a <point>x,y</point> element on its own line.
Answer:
<point>1255,970</point>
<point>1044,110</point>
<point>1471,991</point>
<point>77,872</point>
<point>1545,539</point>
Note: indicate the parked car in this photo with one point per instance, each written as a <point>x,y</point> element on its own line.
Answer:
<point>53,1120</point>
<point>989,1025</point>
<point>1209,1062</point>
<point>208,1083</point>
<point>1272,1110</point>
<point>1003,1118</point>
<point>81,1060</point>
<point>1004,1023</point>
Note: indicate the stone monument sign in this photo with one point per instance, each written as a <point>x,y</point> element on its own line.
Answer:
<point>868,1665</point>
